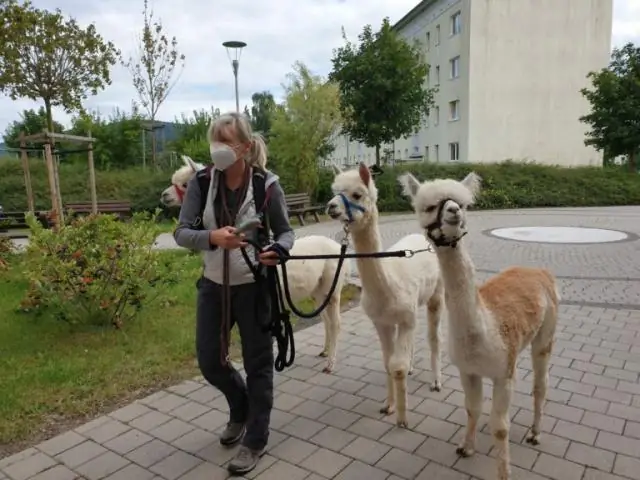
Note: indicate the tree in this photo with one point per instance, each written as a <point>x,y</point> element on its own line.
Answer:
<point>615,106</point>
<point>262,112</point>
<point>44,56</point>
<point>382,87</point>
<point>192,134</point>
<point>302,126</point>
<point>30,122</point>
<point>153,67</point>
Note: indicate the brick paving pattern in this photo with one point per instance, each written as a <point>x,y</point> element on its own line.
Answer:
<point>328,426</point>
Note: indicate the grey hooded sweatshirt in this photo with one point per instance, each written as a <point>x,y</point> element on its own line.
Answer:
<point>239,271</point>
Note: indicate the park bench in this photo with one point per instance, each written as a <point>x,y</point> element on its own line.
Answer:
<point>299,204</point>
<point>120,207</point>
<point>17,221</point>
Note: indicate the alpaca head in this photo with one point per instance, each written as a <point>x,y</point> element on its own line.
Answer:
<point>172,196</point>
<point>355,197</point>
<point>441,206</point>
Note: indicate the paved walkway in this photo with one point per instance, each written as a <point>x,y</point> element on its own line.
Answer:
<point>328,426</point>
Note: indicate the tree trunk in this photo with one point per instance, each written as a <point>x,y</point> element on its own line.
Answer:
<point>378,154</point>
<point>47,107</point>
<point>633,168</point>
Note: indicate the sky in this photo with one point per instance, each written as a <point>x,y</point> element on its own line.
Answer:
<point>277,34</point>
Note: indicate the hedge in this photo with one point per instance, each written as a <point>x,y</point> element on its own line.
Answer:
<point>505,185</point>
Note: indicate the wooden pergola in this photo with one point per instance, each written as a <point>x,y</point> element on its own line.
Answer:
<point>47,138</point>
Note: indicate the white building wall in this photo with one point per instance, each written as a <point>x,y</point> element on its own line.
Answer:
<point>528,61</point>
<point>521,66</point>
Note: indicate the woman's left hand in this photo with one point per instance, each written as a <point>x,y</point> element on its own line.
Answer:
<point>269,258</point>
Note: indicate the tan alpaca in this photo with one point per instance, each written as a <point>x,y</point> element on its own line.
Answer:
<point>307,278</point>
<point>392,288</point>
<point>488,325</point>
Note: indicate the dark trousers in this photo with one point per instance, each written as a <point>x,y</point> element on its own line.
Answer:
<point>250,403</point>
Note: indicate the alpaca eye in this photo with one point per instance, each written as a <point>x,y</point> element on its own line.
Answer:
<point>430,208</point>
<point>184,185</point>
<point>356,196</point>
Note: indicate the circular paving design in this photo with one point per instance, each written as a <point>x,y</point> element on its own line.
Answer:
<point>562,235</point>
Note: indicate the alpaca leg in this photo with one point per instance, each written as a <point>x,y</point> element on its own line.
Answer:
<point>434,314</point>
<point>386,333</point>
<point>500,423</point>
<point>413,344</point>
<point>472,386</point>
<point>540,355</point>
<point>325,321</point>
<point>399,367</point>
<point>332,329</point>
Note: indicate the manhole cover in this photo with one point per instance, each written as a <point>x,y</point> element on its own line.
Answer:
<point>559,234</point>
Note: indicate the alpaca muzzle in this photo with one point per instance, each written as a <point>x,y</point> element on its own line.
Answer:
<point>437,224</point>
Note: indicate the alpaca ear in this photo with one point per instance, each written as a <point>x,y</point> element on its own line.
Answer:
<point>365,173</point>
<point>336,169</point>
<point>190,163</point>
<point>472,181</point>
<point>410,185</point>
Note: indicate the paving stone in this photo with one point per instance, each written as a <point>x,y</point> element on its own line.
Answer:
<point>206,471</point>
<point>619,444</point>
<point>175,465</point>
<point>603,422</point>
<point>303,428</point>
<point>62,442</point>
<point>590,456</point>
<point>325,462</point>
<point>106,431</point>
<point>216,453</point>
<point>189,410</point>
<point>591,474</point>
<point>572,431</point>
<point>293,450</point>
<point>281,470</point>
<point>29,466</point>
<point>101,466</point>
<point>333,438</point>
<point>150,453</point>
<point>128,441</point>
<point>130,412</point>
<point>403,439</point>
<point>5,462</point>
<point>80,454</point>
<point>340,418</point>
<point>366,450</point>
<point>433,471</point>
<point>345,401</point>
<point>370,428</point>
<point>131,472</point>
<point>401,463</point>
<point>211,421</point>
<point>149,420</point>
<point>59,472</point>
<point>171,430</point>
<point>185,388</point>
<point>478,465</point>
<point>627,467</point>
<point>358,471</point>
<point>195,440</point>
<point>557,468</point>
<point>437,428</point>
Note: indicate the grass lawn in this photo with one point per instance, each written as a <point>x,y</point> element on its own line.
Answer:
<point>54,378</point>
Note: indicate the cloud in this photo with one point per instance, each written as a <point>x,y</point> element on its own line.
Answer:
<point>277,34</point>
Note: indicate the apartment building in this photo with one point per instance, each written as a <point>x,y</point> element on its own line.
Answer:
<point>509,74</point>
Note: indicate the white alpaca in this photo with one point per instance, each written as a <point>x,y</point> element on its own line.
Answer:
<point>306,278</point>
<point>392,288</point>
<point>489,325</point>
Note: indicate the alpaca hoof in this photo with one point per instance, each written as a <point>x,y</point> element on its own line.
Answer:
<point>402,424</point>
<point>387,410</point>
<point>323,353</point>
<point>464,452</point>
<point>327,369</point>
<point>436,386</point>
<point>533,439</point>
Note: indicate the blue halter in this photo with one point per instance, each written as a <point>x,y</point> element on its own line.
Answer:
<point>349,206</point>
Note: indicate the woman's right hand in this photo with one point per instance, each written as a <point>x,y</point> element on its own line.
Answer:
<point>226,237</point>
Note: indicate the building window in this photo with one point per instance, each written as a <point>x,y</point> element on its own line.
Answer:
<point>426,153</point>
<point>437,35</point>
<point>454,67</point>
<point>436,119</point>
<point>428,41</point>
<point>454,110</point>
<point>456,23</point>
<point>437,152</point>
<point>454,151</point>
<point>437,74</point>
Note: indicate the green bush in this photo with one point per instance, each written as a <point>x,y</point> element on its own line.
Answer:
<point>505,185</point>
<point>95,270</point>
<point>7,251</point>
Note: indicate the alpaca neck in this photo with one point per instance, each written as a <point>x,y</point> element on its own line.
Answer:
<point>372,274</point>
<point>459,276</point>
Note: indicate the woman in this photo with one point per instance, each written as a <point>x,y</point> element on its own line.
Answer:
<point>227,290</point>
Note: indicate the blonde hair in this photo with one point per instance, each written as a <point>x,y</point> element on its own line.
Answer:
<point>234,124</point>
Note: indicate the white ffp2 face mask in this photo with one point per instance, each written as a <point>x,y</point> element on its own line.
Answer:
<point>222,155</point>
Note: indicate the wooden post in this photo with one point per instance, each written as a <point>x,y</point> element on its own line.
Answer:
<point>56,179</point>
<point>92,178</point>
<point>55,213</point>
<point>27,173</point>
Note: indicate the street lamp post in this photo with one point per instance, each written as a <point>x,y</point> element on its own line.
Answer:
<point>234,50</point>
